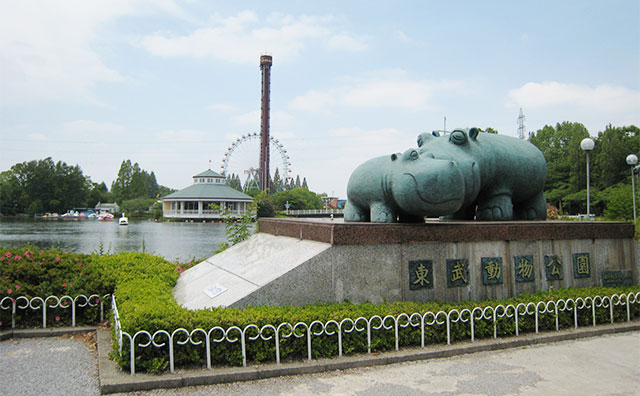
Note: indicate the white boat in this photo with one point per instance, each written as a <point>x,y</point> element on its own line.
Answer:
<point>123,220</point>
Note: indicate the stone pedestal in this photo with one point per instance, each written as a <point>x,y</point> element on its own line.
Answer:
<point>332,261</point>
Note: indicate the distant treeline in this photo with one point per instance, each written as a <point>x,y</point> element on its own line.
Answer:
<point>41,186</point>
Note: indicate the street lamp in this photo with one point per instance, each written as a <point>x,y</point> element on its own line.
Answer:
<point>587,145</point>
<point>632,159</point>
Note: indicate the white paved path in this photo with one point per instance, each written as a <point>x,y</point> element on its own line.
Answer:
<point>606,365</point>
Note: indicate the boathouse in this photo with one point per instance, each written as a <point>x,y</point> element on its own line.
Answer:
<point>194,202</point>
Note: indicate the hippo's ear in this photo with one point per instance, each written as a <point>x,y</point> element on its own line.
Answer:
<point>435,133</point>
<point>473,133</point>
<point>423,138</point>
<point>394,157</point>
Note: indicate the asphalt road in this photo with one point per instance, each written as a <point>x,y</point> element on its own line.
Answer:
<point>605,365</point>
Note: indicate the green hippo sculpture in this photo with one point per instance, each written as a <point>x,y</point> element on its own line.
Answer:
<point>464,175</point>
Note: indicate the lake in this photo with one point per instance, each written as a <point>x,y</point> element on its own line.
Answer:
<point>174,241</point>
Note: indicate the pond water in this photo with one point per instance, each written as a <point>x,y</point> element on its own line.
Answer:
<point>174,241</point>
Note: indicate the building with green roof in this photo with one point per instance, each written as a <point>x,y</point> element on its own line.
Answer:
<point>194,201</point>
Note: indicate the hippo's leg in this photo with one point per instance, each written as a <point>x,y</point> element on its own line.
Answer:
<point>495,208</point>
<point>533,209</point>
<point>354,213</point>
<point>381,213</point>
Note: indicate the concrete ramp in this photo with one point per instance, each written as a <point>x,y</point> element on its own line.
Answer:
<point>234,276</point>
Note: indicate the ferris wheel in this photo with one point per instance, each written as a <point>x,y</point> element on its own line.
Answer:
<point>242,158</point>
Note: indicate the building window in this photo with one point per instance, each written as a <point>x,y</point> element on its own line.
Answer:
<point>189,205</point>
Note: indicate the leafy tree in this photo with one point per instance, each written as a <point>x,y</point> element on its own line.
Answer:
<point>298,198</point>
<point>42,185</point>
<point>297,184</point>
<point>233,181</point>
<point>619,202</point>
<point>566,162</point>
<point>137,207</point>
<point>304,184</point>
<point>264,204</point>
<point>610,153</point>
<point>121,187</point>
<point>237,229</point>
<point>134,182</point>
<point>277,184</point>
<point>491,130</point>
<point>138,183</point>
<point>98,193</point>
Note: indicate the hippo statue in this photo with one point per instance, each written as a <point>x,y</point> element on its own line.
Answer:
<point>463,175</point>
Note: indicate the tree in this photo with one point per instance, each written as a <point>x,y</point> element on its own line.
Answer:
<point>610,153</point>
<point>298,198</point>
<point>276,183</point>
<point>297,184</point>
<point>618,202</point>
<point>304,184</point>
<point>134,182</point>
<point>137,207</point>
<point>566,163</point>
<point>233,181</point>
<point>491,130</point>
<point>264,204</point>
<point>42,185</point>
<point>121,187</point>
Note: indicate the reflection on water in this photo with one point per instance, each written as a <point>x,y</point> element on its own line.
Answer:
<point>173,241</point>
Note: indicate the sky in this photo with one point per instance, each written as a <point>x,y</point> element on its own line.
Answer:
<point>173,84</point>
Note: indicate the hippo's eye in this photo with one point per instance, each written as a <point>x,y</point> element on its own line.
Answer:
<point>458,137</point>
<point>413,155</point>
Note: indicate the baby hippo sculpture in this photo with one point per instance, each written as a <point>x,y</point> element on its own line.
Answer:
<point>464,175</point>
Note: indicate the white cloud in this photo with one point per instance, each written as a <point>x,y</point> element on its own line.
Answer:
<point>240,38</point>
<point>600,98</point>
<point>593,106</point>
<point>388,89</point>
<point>47,48</point>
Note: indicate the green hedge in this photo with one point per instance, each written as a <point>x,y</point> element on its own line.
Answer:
<point>164,314</point>
<point>143,284</point>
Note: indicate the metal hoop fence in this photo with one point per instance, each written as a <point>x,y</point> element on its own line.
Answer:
<point>311,331</point>
<point>52,302</point>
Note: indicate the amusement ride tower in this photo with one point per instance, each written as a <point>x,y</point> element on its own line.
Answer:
<point>265,66</point>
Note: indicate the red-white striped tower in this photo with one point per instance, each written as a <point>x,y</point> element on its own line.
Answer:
<point>265,66</point>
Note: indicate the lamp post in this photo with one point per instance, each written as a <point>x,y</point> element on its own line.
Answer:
<point>587,145</point>
<point>632,159</point>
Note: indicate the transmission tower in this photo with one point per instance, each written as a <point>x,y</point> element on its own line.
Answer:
<point>522,130</point>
